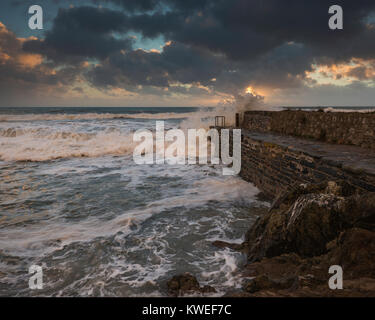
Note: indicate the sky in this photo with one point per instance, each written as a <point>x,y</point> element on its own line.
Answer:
<point>186,53</point>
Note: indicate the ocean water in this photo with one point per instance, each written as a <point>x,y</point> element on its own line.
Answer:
<point>364,109</point>
<point>73,201</point>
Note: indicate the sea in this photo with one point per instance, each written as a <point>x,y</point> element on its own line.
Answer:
<point>74,202</point>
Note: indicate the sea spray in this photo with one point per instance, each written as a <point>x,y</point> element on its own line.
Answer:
<point>175,152</point>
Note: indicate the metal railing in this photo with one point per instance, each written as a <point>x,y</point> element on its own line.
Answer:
<point>219,121</point>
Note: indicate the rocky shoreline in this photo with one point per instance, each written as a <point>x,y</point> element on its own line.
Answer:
<point>291,247</point>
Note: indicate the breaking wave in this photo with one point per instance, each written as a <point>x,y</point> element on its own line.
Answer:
<point>94,116</point>
<point>103,225</point>
<point>42,144</point>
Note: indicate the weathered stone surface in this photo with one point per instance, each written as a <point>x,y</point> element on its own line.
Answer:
<point>186,284</point>
<point>183,283</point>
<point>304,220</point>
<point>237,293</point>
<point>334,127</point>
<point>291,275</point>
<point>283,265</point>
<point>264,282</point>
<point>363,212</point>
<point>276,163</point>
<point>354,250</point>
<point>207,289</point>
<point>313,220</point>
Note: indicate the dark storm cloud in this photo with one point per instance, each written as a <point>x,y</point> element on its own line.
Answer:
<point>82,32</point>
<point>303,22</point>
<point>283,67</point>
<point>176,63</point>
<point>131,5</point>
<point>254,37</point>
<point>24,76</point>
<point>244,29</point>
<point>14,64</point>
<point>149,5</point>
<point>220,44</point>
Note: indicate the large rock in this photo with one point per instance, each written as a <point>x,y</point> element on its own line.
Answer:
<point>312,221</point>
<point>291,275</point>
<point>264,282</point>
<point>354,250</point>
<point>304,220</point>
<point>362,209</point>
<point>186,284</point>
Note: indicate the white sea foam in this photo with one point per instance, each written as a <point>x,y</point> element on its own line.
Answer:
<point>35,237</point>
<point>229,262</point>
<point>122,222</point>
<point>94,116</point>
<point>43,144</point>
<point>329,109</point>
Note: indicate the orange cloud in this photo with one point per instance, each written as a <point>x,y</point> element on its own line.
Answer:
<point>11,50</point>
<point>29,60</point>
<point>356,69</point>
<point>4,57</point>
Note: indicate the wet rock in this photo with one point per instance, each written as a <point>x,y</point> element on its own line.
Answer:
<point>264,282</point>
<point>207,289</point>
<point>261,196</point>
<point>365,285</point>
<point>259,283</point>
<point>183,283</point>
<point>289,275</point>
<point>339,188</point>
<point>362,208</point>
<point>312,221</point>
<point>237,294</point>
<point>186,284</point>
<point>304,220</point>
<point>307,230</point>
<point>286,265</point>
<point>354,250</point>
<point>222,245</point>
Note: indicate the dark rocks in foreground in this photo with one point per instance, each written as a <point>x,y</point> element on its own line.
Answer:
<point>291,248</point>
<point>186,284</point>
<point>304,220</point>
<point>291,275</point>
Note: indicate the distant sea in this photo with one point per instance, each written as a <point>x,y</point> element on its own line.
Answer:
<point>334,108</point>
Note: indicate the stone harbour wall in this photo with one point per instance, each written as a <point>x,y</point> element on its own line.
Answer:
<point>348,128</point>
<point>275,168</point>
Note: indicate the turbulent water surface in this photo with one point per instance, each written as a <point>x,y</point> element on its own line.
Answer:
<point>73,201</point>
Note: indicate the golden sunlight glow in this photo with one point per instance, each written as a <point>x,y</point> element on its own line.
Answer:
<point>250,90</point>
<point>343,74</point>
<point>4,57</point>
<point>259,91</point>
